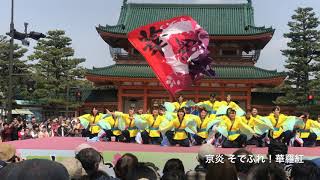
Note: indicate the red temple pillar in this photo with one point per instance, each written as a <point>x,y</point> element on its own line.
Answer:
<point>120,103</point>
<point>145,100</point>
<point>249,99</point>
<point>197,93</point>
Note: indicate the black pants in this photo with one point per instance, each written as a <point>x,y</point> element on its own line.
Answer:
<point>146,139</point>
<point>85,133</point>
<point>308,142</point>
<point>127,138</point>
<point>109,134</point>
<point>184,142</point>
<point>237,143</point>
<point>285,137</point>
<point>92,135</point>
<point>258,141</point>
<point>199,140</point>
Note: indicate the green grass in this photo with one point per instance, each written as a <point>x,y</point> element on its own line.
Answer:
<point>59,158</point>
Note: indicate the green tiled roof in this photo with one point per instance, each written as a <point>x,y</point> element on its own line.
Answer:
<point>217,19</point>
<point>223,72</point>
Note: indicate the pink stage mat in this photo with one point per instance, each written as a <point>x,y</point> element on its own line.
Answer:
<point>70,143</point>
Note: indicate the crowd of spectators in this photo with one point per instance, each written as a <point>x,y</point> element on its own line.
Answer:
<point>88,164</point>
<point>20,129</point>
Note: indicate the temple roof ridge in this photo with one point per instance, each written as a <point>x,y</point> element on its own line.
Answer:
<point>217,19</point>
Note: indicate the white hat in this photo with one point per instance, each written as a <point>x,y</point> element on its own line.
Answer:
<point>82,146</point>
<point>73,167</point>
<point>205,150</point>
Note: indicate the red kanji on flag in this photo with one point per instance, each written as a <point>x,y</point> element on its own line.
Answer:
<point>176,50</point>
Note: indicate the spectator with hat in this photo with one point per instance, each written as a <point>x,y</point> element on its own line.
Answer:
<point>74,168</point>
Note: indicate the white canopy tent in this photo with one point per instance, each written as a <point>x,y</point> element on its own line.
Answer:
<point>18,112</point>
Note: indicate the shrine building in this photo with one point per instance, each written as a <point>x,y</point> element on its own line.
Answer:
<point>235,46</point>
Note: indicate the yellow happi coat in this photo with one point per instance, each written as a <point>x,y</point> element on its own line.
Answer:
<point>214,105</point>
<point>93,120</point>
<point>131,127</point>
<point>179,128</point>
<point>316,124</point>
<point>153,129</point>
<point>250,122</point>
<point>178,105</point>
<point>304,131</point>
<point>233,127</point>
<point>231,104</point>
<point>245,120</point>
<point>114,125</point>
<point>202,125</point>
<point>278,130</point>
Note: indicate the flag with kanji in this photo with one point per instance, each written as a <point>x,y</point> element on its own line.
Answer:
<point>176,50</point>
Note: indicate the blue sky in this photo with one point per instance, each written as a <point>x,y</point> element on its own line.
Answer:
<point>79,18</point>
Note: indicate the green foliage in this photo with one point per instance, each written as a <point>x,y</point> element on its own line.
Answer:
<point>302,57</point>
<point>20,69</point>
<point>55,68</point>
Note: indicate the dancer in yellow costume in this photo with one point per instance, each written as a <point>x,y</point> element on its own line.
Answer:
<point>309,138</point>
<point>255,113</point>
<point>113,120</point>
<point>278,120</point>
<point>162,110</point>
<point>213,103</point>
<point>131,130</point>
<point>180,104</point>
<point>247,118</point>
<point>318,138</point>
<point>90,121</point>
<point>230,103</point>
<point>251,117</point>
<point>152,134</point>
<point>202,123</point>
<point>232,125</point>
<point>179,134</point>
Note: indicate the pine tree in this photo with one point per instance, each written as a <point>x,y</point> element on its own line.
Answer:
<point>56,69</point>
<point>20,70</point>
<point>302,56</point>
